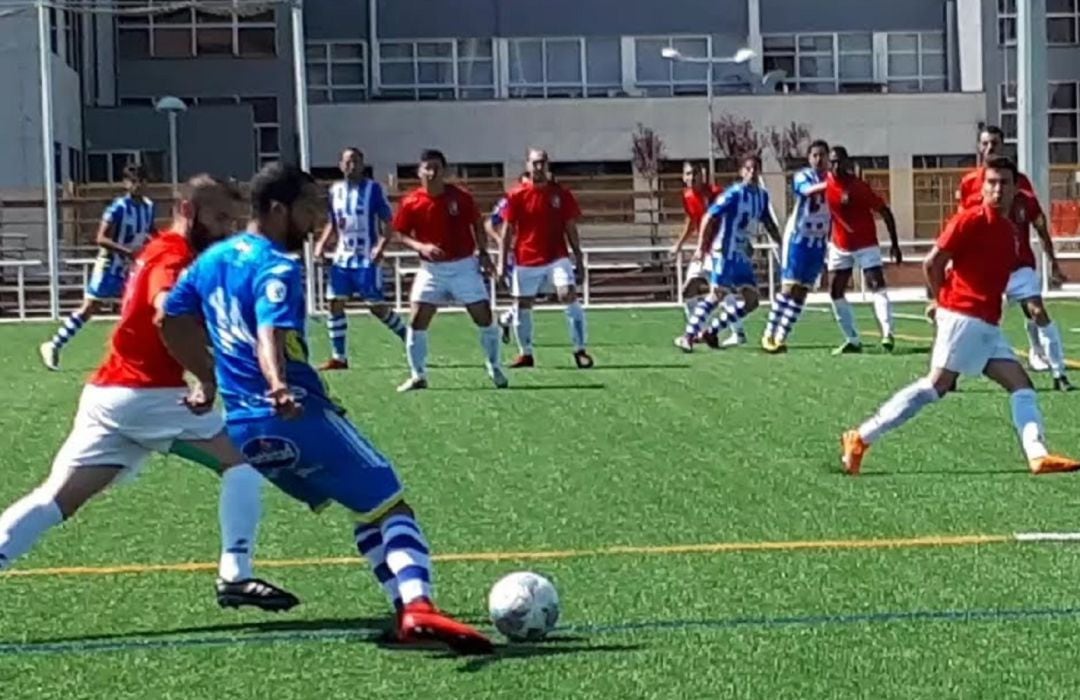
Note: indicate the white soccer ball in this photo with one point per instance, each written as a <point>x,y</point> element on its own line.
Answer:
<point>524,606</point>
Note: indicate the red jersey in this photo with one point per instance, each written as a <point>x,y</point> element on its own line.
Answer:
<point>696,200</point>
<point>137,356</point>
<point>1025,211</point>
<point>540,215</point>
<point>853,225</point>
<point>445,220</point>
<point>970,192</point>
<point>982,244</point>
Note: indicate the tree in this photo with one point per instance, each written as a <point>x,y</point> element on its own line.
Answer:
<point>734,137</point>
<point>648,152</point>
<point>789,144</point>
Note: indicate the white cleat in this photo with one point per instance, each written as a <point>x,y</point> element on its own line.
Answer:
<point>413,384</point>
<point>1037,362</point>
<point>50,356</point>
<point>498,378</point>
<point>734,340</point>
<point>684,344</point>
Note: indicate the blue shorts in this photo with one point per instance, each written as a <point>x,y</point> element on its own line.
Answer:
<point>732,273</point>
<point>803,264</point>
<point>320,457</point>
<point>363,282</point>
<point>106,282</point>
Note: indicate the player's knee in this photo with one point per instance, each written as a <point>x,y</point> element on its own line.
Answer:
<point>798,293</point>
<point>566,295</point>
<point>1037,312</point>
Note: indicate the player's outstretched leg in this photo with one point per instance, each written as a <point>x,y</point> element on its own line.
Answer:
<point>791,306</point>
<point>575,323</point>
<point>1049,342</point>
<point>50,351</point>
<point>390,318</point>
<point>523,328</point>
<point>899,409</point>
<point>696,325</point>
<point>1037,361</point>
<point>480,312</point>
<point>337,325</point>
<point>733,310</point>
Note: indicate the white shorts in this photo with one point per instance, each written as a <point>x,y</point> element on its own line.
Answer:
<point>122,426</point>
<point>1023,284</point>
<point>964,344</point>
<point>865,258</point>
<point>455,282</point>
<point>542,279</point>
<point>699,269</point>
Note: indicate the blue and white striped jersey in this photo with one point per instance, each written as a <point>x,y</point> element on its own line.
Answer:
<point>810,222</point>
<point>131,220</point>
<point>738,211</point>
<point>356,208</point>
<point>498,213</point>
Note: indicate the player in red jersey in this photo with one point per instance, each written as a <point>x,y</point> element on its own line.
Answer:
<point>1047,350</point>
<point>541,219</point>
<point>967,272</point>
<point>697,195</point>
<point>137,403</point>
<point>441,223</point>
<point>854,242</point>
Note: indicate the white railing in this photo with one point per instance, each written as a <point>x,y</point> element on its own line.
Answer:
<point>404,265</point>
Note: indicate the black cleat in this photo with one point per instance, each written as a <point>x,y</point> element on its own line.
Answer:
<point>1062,383</point>
<point>255,593</point>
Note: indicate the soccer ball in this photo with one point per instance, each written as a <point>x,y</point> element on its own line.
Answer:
<point>524,606</point>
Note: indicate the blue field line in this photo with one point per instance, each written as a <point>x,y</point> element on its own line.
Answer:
<point>104,644</point>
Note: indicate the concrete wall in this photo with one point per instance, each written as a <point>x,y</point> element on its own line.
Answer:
<point>851,15</point>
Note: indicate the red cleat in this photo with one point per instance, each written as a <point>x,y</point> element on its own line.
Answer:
<point>523,361</point>
<point>421,621</point>
<point>333,364</point>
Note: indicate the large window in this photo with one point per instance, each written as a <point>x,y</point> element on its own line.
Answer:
<point>108,166</point>
<point>73,40</point>
<point>437,69</point>
<point>1062,22</point>
<point>859,61</point>
<point>657,76</point>
<point>1063,117</point>
<point>189,32</point>
<point>564,67</point>
<point>336,71</point>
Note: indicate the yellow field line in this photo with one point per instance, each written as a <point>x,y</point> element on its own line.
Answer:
<point>1071,364</point>
<point>713,548</point>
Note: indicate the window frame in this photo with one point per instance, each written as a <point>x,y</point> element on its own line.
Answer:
<point>420,92</point>
<point>150,24</point>
<point>328,61</point>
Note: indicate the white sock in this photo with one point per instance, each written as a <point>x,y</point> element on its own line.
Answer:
<point>731,303</point>
<point>239,511</point>
<point>883,312</point>
<point>489,341</point>
<point>689,305</point>
<point>846,318</point>
<point>23,524</point>
<point>1053,349</point>
<point>523,325</point>
<point>1035,339</point>
<point>902,407</point>
<point>507,317</point>
<point>416,349</point>
<point>575,320</point>
<point>1028,422</point>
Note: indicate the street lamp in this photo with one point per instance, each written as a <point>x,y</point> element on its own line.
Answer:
<point>172,107</point>
<point>741,56</point>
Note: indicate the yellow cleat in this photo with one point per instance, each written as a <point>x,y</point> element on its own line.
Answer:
<point>854,449</point>
<point>1053,464</point>
<point>772,346</point>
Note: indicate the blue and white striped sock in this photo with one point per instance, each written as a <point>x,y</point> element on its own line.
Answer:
<point>369,542</point>
<point>395,323</point>
<point>407,557</point>
<point>776,312</point>
<point>72,325</point>
<point>788,318</point>
<point>732,311</point>
<point>702,312</point>
<point>337,326</point>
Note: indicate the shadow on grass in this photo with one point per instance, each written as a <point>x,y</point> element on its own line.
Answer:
<point>552,646</point>
<point>528,387</point>
<point>645,365</point>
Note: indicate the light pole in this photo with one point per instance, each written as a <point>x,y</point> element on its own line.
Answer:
<point>172,107</point>
<point>741,56</point>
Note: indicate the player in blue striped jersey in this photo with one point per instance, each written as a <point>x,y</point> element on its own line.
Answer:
<point>728,226</point>
<point>247,294</point>
<point>806,239</point>
<point>355,226</point>
<point>125,227</point>
<point>493,225</point>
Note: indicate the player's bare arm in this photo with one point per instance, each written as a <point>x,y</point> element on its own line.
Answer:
<point>1043,232</point>
<point>186,340</point>
<point>706,232</point>
<point>384,236</point>
<point>480,238</point>
<point>574,239</point>
<point>271,353</point>
<point>106,239</point>
<point>688,230</point>
<point>894,240</point>
<point>772,228</point>
<point>506,241</point>
<point>326,240</point>
<point>428,250</point>
<point>934,270</point>
<point>493,233</point>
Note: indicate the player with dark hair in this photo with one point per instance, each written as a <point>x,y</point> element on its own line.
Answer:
<point>697,195</point>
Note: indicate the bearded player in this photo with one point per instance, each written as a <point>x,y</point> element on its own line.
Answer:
<point>967,272</point>
<point>1046,348</point>
<point>541,229</point>
<point>355,228</point>
<point>137,403</point>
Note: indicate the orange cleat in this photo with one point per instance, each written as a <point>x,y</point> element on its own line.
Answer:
<point>523,361</point>
<point>854,449</point>
<point>420,621</point>
<point>1053,464</point>
<point>333,364</point>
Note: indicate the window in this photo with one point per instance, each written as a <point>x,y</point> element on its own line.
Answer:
<point>243,30</point>
<point>931,162</point>
<point>859,61</point>
<point>75,165</point>
<point>591,168</point>
<point>662,77</point>
<point>437,69</point>
<point>73,38</point>
<point>54,31</point>
<point>1063,117</point>
<point>564,67</point>
<point>336,71</point>
<point>58,162</point>
<point>108,166</point>
<point>1062,22</point>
